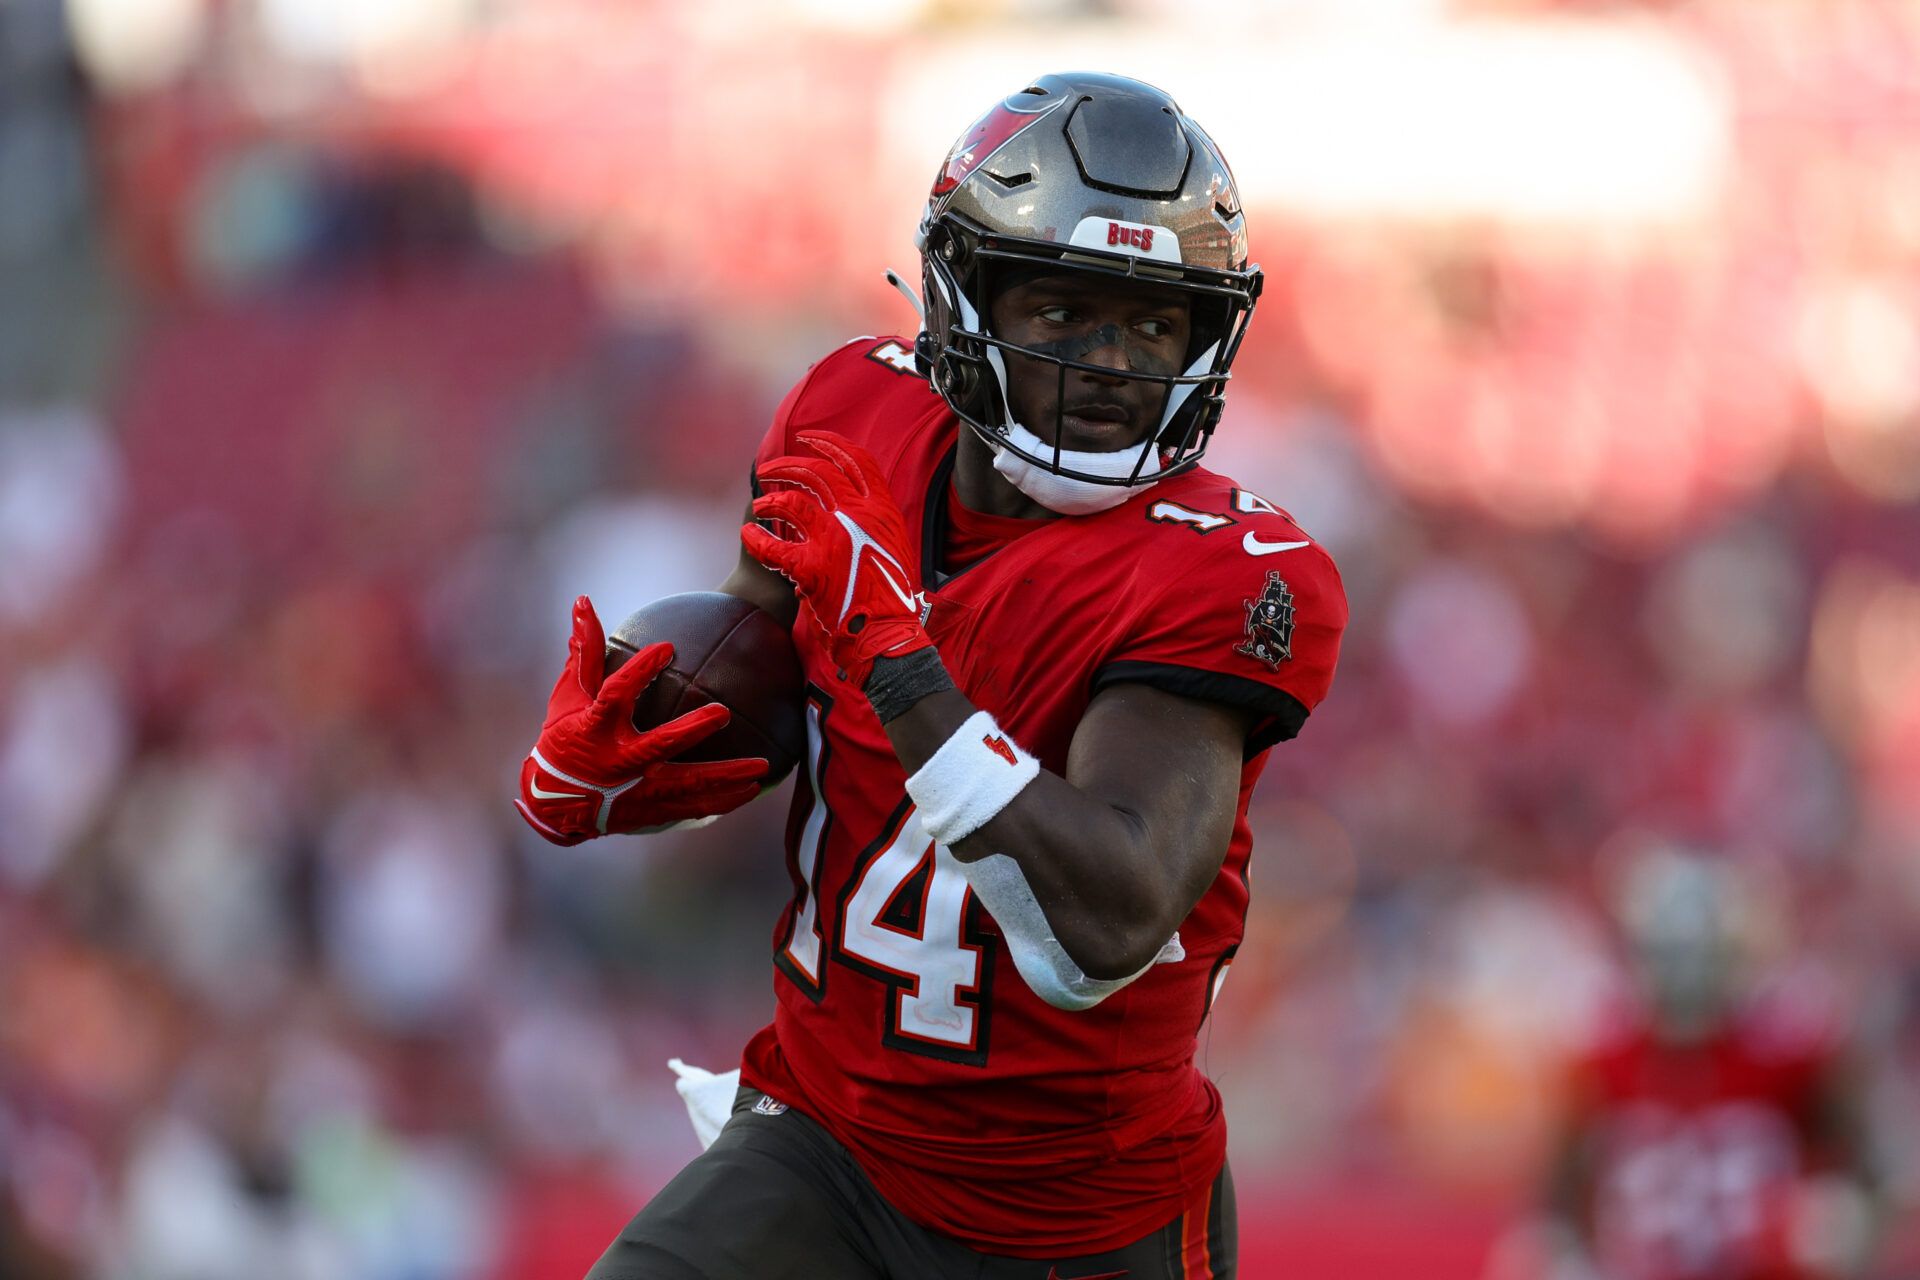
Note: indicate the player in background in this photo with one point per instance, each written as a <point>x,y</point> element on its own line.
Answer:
<point>1047,654</point>
<point>1714,1129</point>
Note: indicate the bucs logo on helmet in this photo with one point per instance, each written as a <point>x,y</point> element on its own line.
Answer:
<point>988,134</point>
<point>1270,624</point>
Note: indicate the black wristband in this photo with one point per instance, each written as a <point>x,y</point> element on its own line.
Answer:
<point>897,683</point>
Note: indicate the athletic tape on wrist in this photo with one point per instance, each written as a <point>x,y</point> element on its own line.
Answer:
<point>973,776</point>
<point>897,683</point>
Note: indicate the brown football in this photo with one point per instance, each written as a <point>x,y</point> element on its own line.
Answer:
<point>727,651</point>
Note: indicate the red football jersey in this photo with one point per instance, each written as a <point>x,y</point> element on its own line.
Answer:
<point>1697,1152</point>
<point>902,1025</point>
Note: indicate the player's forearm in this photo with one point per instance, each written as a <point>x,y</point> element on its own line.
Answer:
<point>1088,862</point>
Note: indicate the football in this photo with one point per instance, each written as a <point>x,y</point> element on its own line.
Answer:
<point>727,651</point>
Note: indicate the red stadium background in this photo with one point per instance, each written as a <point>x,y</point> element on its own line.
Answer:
<point>341,345</point>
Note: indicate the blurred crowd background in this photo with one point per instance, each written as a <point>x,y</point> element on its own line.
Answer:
<point>342,342</point>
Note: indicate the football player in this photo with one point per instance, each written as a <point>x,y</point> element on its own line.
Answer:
<point>1716,1127</point>
<point>1047,655</point>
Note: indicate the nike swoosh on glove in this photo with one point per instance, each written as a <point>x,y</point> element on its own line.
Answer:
<point>848,553</point>
<point>592,772</point>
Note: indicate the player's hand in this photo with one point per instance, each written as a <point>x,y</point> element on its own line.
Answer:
<point>844,544</point>
<point>592,772</point>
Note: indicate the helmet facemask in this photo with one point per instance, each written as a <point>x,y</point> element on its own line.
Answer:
<point>1172,224</point>
<point>966,268</point>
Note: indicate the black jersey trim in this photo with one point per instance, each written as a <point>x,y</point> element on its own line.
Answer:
<point>933,524</point>
<point>1220,963</point>
<point>938,524</point>
<point>1283,713</point>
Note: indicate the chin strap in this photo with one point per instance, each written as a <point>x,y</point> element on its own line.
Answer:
<point>1066,494</point>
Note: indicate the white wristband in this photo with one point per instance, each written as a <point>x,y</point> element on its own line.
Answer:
<point>973,776</point>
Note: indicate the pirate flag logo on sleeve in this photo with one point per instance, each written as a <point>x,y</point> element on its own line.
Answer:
<point>1270,624</point>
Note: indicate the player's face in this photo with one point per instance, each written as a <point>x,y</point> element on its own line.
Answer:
<point>1137,328</point>
<point>1691,984</point>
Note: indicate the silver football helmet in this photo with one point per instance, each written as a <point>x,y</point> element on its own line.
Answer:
<point>1099,174</point>
<point>1691,924</point>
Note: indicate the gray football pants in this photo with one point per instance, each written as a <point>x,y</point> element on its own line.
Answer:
<point>777,1198</point>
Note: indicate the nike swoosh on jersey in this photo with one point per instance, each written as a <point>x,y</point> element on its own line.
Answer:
<point>1253,546</point>
<point>538,794</point>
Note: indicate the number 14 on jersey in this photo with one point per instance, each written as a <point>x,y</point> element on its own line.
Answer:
<point>903,920</point>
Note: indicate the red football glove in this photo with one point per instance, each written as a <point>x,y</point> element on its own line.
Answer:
<point>592,772</point>
<point>850,558</point>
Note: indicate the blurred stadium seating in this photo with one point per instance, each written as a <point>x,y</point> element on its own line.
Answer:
<point>342,344</point>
